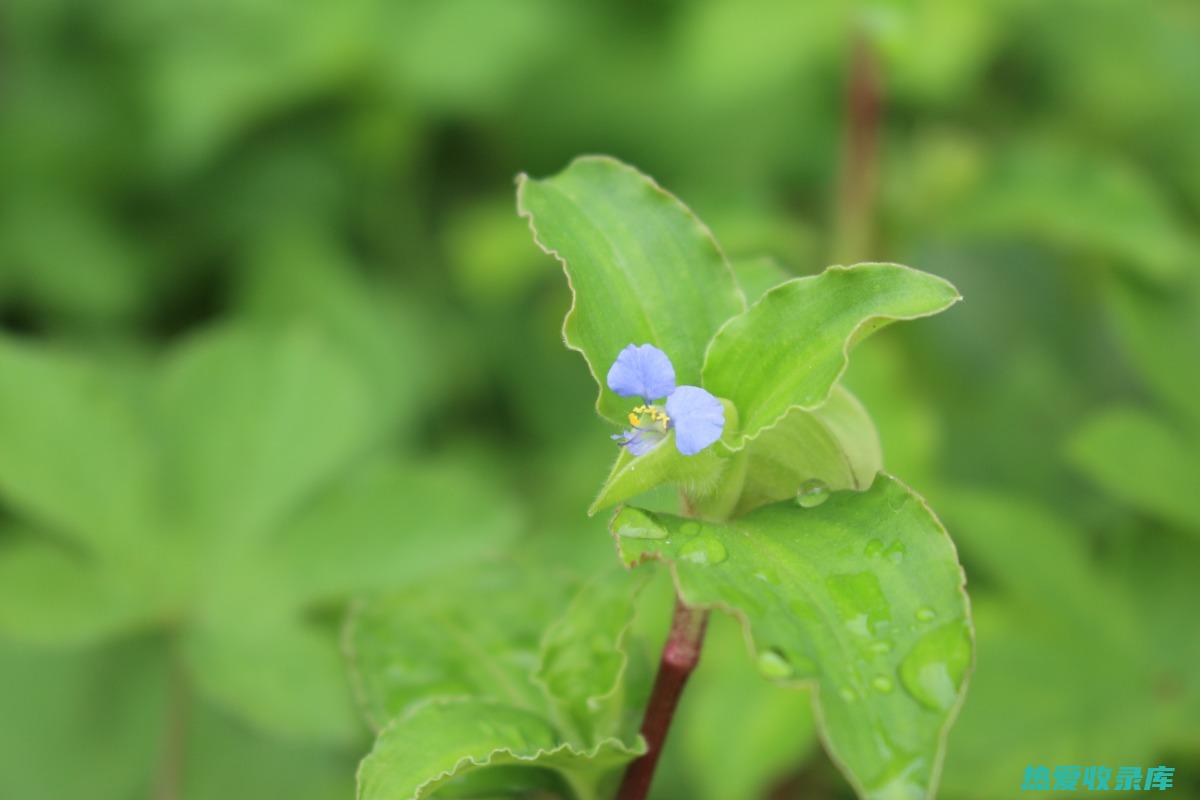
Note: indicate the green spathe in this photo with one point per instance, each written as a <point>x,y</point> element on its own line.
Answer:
<point>641,266</point>
<point>790,348</point>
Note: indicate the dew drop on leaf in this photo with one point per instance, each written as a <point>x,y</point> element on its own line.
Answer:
<point>812,493</point>
<point>873,549</point>
<point>882,684</point>
<point>774,665</point>
<point>926,614</point>
<point>933,670</point>
<point>703,550</point>
<point>633,524</point>
<point>895,552</point>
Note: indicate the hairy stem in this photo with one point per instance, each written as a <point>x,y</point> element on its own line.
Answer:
<point>860,153</point>
<point>680,656</point>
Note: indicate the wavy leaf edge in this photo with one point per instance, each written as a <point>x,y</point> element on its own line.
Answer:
<point>619,644</point>
<point>523,179</point>
<point>812,685</point>
<point>847,344</point>
<point>421,790</point>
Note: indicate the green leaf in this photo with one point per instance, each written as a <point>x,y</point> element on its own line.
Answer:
<point>1115,210</point>
<point>300,271</point>
<point>227,760</point>
<point>1044,694</point>
<point>256,421</point>
<point>497,665</point>
<point>641,266</point>
<point>1161,332</point>
<point>447,738</point>
<point>285,677</point>
<point>632,475</point>
<point>836,444</point>
<point>49,595</point>
<point>697,475</point>
<point>213,498</point>
<point>860,598</point>
<point>470,633</point>
<point>738,735</point>
<point>99,709</point>
<point>387,523</point>
<point>583,660</point>
<point>757,276</point>
<point>74,455</point>
<point>1033,555</point>
<point>1143,461</point>
<point>1059,631</point>
<point>790,348</point>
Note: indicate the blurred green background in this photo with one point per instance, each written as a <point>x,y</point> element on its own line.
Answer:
<point>280,235</point>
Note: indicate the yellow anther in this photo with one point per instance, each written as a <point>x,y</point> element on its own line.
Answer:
<point>656,415</point>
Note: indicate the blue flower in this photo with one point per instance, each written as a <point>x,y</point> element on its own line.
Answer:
<point>695,415</point>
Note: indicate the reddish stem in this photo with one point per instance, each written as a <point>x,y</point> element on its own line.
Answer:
<point>860,151</point>
<point>680,656</point>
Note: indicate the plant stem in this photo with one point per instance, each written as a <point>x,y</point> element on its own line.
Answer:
<point>169,780</point>
<point>860,153</point>
<point>680,656</point>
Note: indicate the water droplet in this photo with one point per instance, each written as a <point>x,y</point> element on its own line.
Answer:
<point>774,665</point>
<point>881,684</point>
<point>860,602</point>
<point>899,781</point>
<point>689,528</point>
<point>703,550</point>
<point>634,524</point>
<point>933,670</point>
<point>895,552</point>
<point>768,576</point>
<point>873,549</point>
<point>881,647</point>
<point>925,614</point>
<point>898,499</point>
<point>847,694</point>
<point>812,493</point>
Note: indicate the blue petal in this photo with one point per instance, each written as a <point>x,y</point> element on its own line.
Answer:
<point>644,372</point>
<point>640,441</point>
<point>698,418</point>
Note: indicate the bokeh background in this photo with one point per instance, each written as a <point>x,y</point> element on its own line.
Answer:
<point>289,225</point>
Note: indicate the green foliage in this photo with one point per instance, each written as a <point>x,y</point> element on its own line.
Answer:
<point>641,266</point>
<point>174,169</point>
<point>835,444</point>
<point>881,633</point>
<point>860,597</point>
<point>776,725</point>
<point>1123,635</point>
<point>501,665</point>
<point>218,494</point>
<point>1142,461</point>
<point>789,349</point>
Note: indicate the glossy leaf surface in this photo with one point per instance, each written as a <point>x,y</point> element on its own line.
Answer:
<point>789,349</point>
<point>642,267</point>
<point>860,598</point>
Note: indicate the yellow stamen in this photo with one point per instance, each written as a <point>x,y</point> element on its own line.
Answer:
<point>656,415</point>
